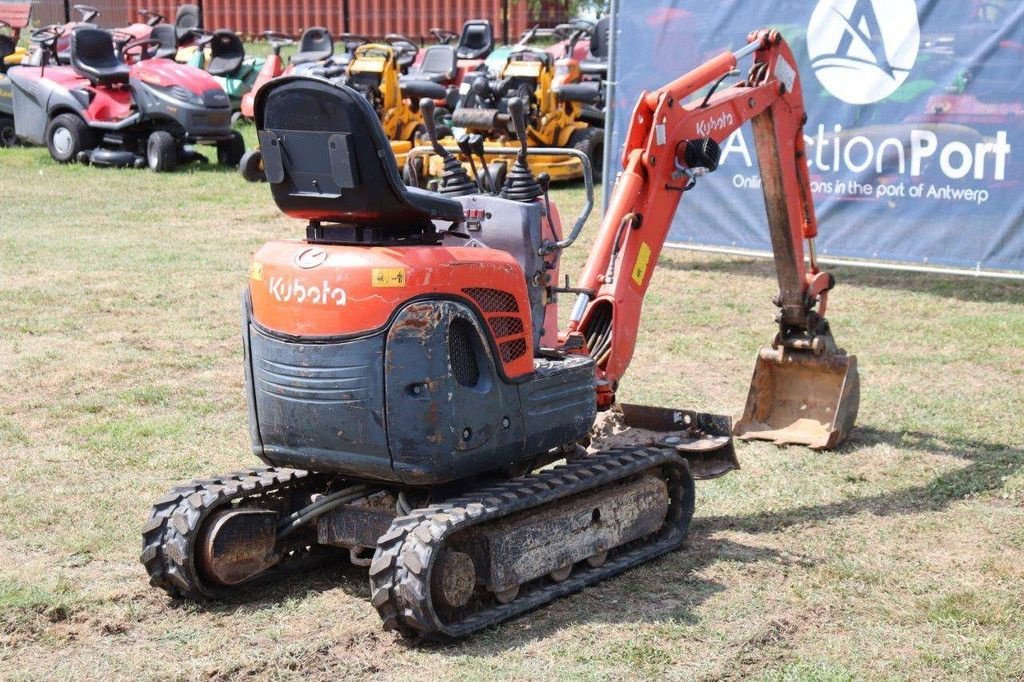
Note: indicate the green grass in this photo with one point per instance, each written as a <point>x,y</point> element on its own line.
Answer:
<point>901,555</point>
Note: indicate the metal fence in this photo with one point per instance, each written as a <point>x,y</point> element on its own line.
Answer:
<point>372,18</point>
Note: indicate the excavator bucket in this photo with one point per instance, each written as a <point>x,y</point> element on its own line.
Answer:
<point>802,398</point>
<point>704,440</point>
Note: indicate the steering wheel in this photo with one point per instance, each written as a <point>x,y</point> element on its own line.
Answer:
<point>46,34</point>
<point>405,49</point>
<point>143,45</point>
<point>277,40</point>
<point>444,36</point>
<point>87,13</point>
<point>152,18</point>
<point>204,37</point>
<point>353,40</point>
<point>523,53</point>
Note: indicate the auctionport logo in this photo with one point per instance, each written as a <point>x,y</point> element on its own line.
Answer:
<point>863,50</point>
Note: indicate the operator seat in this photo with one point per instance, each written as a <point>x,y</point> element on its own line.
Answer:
<point>226,53</point>
<point>186,21</point>
<point>476,41</point>
<point>168,37</point>
<point>315,45</point>
<point>327,159</point>
<point>92,56</point>
<point>597,62</point>
<point>438,67</point>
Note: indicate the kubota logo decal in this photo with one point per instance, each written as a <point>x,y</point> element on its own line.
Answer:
<point>863,50</point>
<point>294,290</point>
<point>723,120</point>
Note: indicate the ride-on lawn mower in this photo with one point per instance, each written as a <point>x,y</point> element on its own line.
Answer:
<point>227,63</point>
<point>405,358</point>
<point>552,121</point>
<point>102,111</point>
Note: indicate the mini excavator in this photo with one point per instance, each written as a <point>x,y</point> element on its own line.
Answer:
<point>417,406</point>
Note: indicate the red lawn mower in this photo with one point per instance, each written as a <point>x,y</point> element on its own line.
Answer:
<point>102,111</point>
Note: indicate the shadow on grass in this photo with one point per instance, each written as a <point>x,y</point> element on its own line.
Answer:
<point>989,466</point>
<point>964,288</point>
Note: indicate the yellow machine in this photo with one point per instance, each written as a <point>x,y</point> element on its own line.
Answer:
<point>552,120</point>
<point>374,72</point>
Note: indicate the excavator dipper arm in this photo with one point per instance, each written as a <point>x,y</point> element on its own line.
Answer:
<point>669,145</point>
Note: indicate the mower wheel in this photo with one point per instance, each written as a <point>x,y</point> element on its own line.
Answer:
<point>231,150</point>
<point>590,141</point>
<point>161,152</point>
<point>251,166</point>
<point>66,135</point>
<point>7,136</point>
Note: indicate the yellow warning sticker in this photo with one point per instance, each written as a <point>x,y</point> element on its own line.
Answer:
<point>640,267</point>
<point>388,277</point>
<point>256,271</point>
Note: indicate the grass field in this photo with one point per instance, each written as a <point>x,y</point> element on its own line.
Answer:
<point>899,556</point>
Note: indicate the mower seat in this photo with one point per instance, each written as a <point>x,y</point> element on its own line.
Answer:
<point>416,89</point>
<point>439,65</point>
<point>186,21</point>
<point>476,41</point>
<point>168,37</point>
<point>315,45</point>
<point>327,159</point>
<point>92,56</point>
<point>226,53</point>
<point>597,62</point>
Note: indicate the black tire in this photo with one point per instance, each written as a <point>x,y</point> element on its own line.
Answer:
<point>161,152</point>
<point>251,166</point>
<point>590,141</point>
<point>66,135</point>
<point>8,138</point>
<point>231,150</point>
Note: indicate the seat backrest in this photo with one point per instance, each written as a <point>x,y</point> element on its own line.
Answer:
<point>168,37</point>
<point>476,41</point>
<point>317,42</point>
<point>439,59</point>
<point>187,17</point>
<point>599,38</point>
<point>226,53</point>
<point>327,159</point>
<point>92,55</point>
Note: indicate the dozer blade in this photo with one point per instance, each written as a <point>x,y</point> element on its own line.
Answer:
<point>704,440</point>
<point>797,397</point>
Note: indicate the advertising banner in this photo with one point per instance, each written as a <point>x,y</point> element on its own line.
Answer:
<point>915,131</point>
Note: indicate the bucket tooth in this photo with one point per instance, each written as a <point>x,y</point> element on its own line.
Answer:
<point>798,397</point>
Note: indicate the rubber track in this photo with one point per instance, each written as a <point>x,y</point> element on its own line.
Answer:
<point>401,568</point>
<point>169,534</point>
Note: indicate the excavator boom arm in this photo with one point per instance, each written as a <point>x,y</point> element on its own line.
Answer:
<point>669,145</point>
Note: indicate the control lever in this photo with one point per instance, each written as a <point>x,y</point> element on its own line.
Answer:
<point>517,112</point>
<point>466,149</point>
<point>455,182</point>
<point>520,185</point>
<point>476,146</point>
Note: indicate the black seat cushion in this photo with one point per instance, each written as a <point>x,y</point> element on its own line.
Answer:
<point>417,88</point>
<point>168,37</point>
<point>316,45</point>
<point>92,56</point>
<point>186,21</point>
<point>439,65</point>
<point>226,53</point>
<point>327,159</point>
<point>476,41</point>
